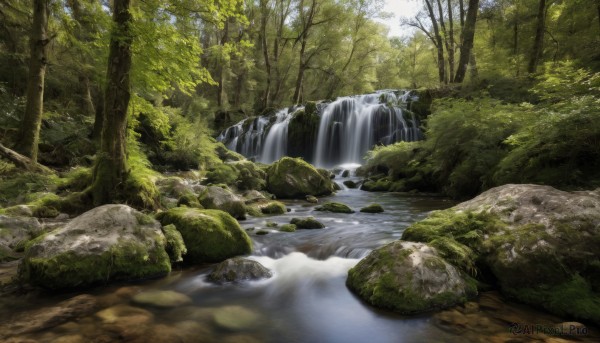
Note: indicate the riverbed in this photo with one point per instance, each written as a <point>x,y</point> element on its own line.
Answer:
<point>305,300</point>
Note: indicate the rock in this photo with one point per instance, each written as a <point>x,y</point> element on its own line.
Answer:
<point>409,278</point>
<point>345,173</point>
<point>270,207</point>
<point>350,184</point>
<point>307,223</point>
<point>312,199</point>
<point>74,338</point>
<point>262,232</point>
<point>209,235</point>
<point>238,269</point>
<point>175,187</point>
<point>381,185</point>
<point>217,198</point>
<point>19,211</point>
<point>189,200</point>
<point>62,216</point>
<point>236,318</point>
<point>271,224</point>
<point>372,208</point>
<point>106,243</point>
<point>175,246</point>
<point>293,178</point>
<point>253,196</point>
<point>540,243</point>
<point>126,322</point>
<point>164,299</point>
<point>15,231</point>
<point>335,207</point>
<point>48,317</point>
<point>302,131</point>
<point>288,228</point>
<point>250,176</point>
<point>115,313</point>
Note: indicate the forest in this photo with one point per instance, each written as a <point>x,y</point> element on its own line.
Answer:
<point>164,161</point>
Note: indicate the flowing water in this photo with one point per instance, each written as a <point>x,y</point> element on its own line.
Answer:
<point>305,300</point>
<point>348,128</point>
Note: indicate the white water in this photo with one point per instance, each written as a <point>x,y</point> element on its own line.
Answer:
<point>348,128</point>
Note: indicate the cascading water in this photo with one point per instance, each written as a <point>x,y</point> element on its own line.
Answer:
<point>347,128</point>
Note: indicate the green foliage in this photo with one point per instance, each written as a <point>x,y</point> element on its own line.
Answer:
<point>139,188</point>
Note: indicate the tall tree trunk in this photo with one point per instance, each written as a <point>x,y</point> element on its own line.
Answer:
<point>299,79</point>
<point>29,132</point>
<point>467,44</point>
<point>452,47</point>
<point>264,13</point>
<point>538,43</point>
<point>439,44</point>
<point>110,170</point>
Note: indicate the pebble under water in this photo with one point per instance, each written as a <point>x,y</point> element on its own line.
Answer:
<point>305,300</point>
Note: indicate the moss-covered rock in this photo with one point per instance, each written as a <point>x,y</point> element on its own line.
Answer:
<point>249,176</point>
<point>335,207</point>
<point>288,228</point>
<point>238,269</point>
<point>218,198</point>
<point>380,185</point>
<point>209,235</point>
<point>307,223</point>
<point>409,278</point>
<point>273,207</point>
<point>294,178</point>
<point>372,208</point>
<point>312,199</point>
<point>302,132</point>
<point>15,231</point>
<point>109,242</point>
<point>539,243</point>
<point>175,246</point>
<point>350,184</point>
<point>189,200</point>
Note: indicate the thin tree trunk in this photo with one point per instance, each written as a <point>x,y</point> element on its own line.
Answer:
<point>598,7</point>
<point>29,132</point>
<point>446,38</point>
<point>467,44</point>
<point>538,44</point>
<point>221,96</point>
<point>110,170</point>
<point>265,49</point>
<point>299,79</point>
<point>452,48</point>
<point>439,44</point>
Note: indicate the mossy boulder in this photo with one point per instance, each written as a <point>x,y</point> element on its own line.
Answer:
<point>350,184</point>
<point>273,207</point>
<point>409,278</point>
<point>110,242</point>
<point>379,185</point>
<point>293,178</point>
<point>372,208</point>
<point>238,269</point>
<point>189,200</point>
<point>307,223</point>
<point>288,228</point>
<point>249,176</point>
<point>335,207</point>
<point>209,235</point>
<point>218,198</point>
<point>538,243</point>
<point>302,132</point>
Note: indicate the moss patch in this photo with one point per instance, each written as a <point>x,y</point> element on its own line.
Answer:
<point>175,246</point>
<point>288,228</point>
<point>307,223</point>
<point>372,208</point>
<point>209,235</point>
<point>335,207</point>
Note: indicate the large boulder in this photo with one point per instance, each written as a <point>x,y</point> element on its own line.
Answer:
<point>409,278</point>
<point>15,231</point>
<point>106,243</point>
<point>218,198</point>
<point>209,235</point>
<point>539,243</point>
<point>293,178</point>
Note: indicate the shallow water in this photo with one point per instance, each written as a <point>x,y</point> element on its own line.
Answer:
<point>306,300</point>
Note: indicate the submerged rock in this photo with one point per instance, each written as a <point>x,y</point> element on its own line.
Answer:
<point>288,228</point>
<point>312,199</point>
<point>409,278</point>
<point>106,243</point>
<point>372,208</point>
<point>293,178</point>
<point>164,299</point>
<point>209,235</point>
<point>307,223</point>
<point>540,244</point>
<point>238,269</point>
<point>350,184</point>
<point>237,318</point>
<point>335,207</point>
<point>217,198</point>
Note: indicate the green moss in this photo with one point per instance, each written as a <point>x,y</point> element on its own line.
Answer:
<point>294,178</point>
<point>307,223</point>
<point>271,224</point>
<point>288,228</point>
<point>335,207</point>
<point>456,253</point>
<point>249,176</point>
<point>15,189</point>
<point>189,200</point>
<point>573,298</point>
<point>381,185</point>
<point>222,173</point>
<point>273,207</point>
<point>123,262</point>
<point>262,232</point>
<point>209,235</point>
<point>76,180</point>
<point>175,246</point>
<point>372,208</point>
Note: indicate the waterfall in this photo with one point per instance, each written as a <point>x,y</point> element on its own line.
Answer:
<point>346,129</point>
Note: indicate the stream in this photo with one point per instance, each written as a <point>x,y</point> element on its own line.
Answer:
<point>306,300</point>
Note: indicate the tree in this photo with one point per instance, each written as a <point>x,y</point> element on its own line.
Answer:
<point>467,42</point>
<point>29,132</point>
<point>538,43</point>
<point>110,170</point>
